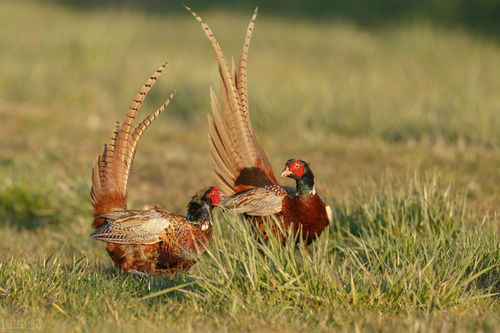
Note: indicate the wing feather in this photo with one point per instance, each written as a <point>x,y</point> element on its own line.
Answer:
<point>133,227</point>
<point>255,202</point>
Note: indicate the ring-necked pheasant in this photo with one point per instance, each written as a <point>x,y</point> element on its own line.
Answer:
<point>242,168</point>
<point>150,240</point>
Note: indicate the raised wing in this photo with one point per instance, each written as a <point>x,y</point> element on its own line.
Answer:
<point>110,173</point>
<point>259,201</point>
<point>240,161</point>
<point>134,227</point>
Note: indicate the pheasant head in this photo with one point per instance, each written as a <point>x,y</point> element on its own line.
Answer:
<point>302,173</point>
<point>202,203</point>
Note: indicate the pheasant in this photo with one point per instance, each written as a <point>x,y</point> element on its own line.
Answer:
<point>150,240</point>
<point>242,168</point>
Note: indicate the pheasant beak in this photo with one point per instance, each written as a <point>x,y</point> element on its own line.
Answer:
<point>286,172</point>
<point>222,197</point>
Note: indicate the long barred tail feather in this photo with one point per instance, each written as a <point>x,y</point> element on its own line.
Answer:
<point>240,162</point>
<point>111,170</point>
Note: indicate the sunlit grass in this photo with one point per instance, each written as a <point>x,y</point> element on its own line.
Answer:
<point>415,250</point>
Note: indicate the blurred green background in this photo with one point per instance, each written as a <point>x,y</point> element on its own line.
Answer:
<point>482,15</point>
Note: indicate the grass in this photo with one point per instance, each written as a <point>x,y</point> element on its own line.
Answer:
<point>389,117</point>
<point>406,252</point>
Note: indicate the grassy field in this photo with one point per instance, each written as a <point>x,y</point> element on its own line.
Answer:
<point>400,123</point>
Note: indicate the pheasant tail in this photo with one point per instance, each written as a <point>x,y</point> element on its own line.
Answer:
<point>111,170</point>
<point>240,161</point>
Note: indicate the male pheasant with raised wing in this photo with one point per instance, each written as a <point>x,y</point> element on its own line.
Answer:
<point>242,168</point>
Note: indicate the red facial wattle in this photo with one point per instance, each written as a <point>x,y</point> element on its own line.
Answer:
<point>214,196</point>
<point>297,168</point>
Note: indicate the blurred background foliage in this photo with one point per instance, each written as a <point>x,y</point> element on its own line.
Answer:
<point>481,16</point>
